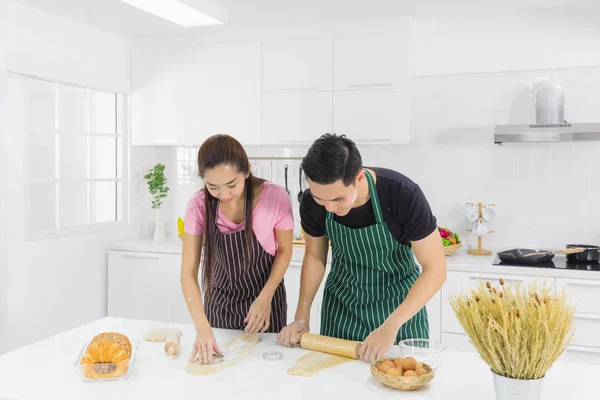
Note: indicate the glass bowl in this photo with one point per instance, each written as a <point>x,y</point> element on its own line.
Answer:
<point>425,350</point>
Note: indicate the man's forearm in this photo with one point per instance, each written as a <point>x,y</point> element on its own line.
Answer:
<point>311,277</point>
<point>424,288</point>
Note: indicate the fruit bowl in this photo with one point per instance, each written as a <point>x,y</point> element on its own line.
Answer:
<point>450,240</point>
<point>402,382</point>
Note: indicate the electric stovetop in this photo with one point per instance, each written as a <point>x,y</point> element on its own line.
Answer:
<point>558,262</point>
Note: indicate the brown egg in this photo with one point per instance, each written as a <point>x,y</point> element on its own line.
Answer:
<point>388,363</point>
<point>419,365</point>
<point>394,372</point>
<point>410,373</point>
<point>409,363</point>
<point>398,362</point>
<point>421,371</point>
<point>383,368</point>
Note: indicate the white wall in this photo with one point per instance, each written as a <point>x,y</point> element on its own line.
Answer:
<point>56,284</point>
<point>470,74</point>
<point>3,214</point>
<point>40,44</point>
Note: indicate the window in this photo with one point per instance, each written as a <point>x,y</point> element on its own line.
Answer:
<point>75,162</point>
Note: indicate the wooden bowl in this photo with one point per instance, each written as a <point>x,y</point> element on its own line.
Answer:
<point>402,382</point>
<point>449,250</point>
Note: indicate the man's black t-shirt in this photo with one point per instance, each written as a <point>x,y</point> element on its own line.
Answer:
<point>405,210</point>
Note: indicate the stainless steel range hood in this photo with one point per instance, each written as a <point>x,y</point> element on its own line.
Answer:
<point>542,133</point>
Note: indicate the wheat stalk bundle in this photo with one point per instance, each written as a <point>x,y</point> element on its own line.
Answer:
<point>518,331</point>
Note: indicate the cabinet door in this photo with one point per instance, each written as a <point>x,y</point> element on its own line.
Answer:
<point>583,293</point>
<point>434,312</point>
<point>297,65</point>
<point>163,96</point>
<point>372,61</point>
<point>457,282</point>
<point>296,118</point>
<point>140,286</point>
<point>229,96</point>
<point>373,116</point>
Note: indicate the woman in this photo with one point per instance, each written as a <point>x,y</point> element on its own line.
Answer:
<point>246,225</point>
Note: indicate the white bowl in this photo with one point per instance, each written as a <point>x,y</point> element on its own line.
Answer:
<point>424,350</point>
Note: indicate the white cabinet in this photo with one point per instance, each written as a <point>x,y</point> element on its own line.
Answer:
<point>457,282</point>
<point>372,61</point>
<point>373,116</point>
<point>585,296</point>
<point>229,92</point>
<point>296,118</point>
<point>163,95</point>
<point>297,65</point>
<point>434,312</point>
<point>142,285</point>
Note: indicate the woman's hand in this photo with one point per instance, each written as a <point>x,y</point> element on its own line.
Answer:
<point>259,315</point>
<point>205,345</point>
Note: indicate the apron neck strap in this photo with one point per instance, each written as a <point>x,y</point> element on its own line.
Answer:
<point>374,199</point>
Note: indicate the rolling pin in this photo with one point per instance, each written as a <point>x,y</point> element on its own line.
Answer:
<point>169,336</point>
<point>330,345</point>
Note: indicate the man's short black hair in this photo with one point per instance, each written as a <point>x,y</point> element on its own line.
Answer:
<point>331,158</point>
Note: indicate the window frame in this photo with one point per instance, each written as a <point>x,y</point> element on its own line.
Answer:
<point>121,197</point>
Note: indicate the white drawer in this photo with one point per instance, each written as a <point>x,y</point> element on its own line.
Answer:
<point>584,294</point>
<point>581,355</point>
<point>458,342</point>
<point>587,330</point>
<point>457,282</point>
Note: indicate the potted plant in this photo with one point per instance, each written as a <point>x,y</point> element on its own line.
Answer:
<point>157,185</point>
<point>518,331</point>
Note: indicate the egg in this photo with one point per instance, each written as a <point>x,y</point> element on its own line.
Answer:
<point>420,371</point>
<point>419,364</point>
<point>383,368</point>
<point>398,362</point>
<point>388,363</point>
<point>409,363</point>
<point>394,372</point>
<point>410,373</point>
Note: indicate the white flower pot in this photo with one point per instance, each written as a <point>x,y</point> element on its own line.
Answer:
<point>517,389</point>
<point>159,229</point>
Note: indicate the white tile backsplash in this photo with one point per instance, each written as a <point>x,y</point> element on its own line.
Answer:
<point>546,194</point>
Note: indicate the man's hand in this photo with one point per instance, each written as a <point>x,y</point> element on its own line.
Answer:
<point>378,343</point>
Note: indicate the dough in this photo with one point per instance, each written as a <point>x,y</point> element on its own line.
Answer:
<point>314,362</point>
<point>234,351</point>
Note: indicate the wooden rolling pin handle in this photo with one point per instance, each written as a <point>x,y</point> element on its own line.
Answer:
<point>172,343</point>
<point>330,345</point>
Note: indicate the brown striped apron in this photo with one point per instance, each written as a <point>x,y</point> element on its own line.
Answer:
<point>235,284</point>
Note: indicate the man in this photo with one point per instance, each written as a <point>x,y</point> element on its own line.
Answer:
<point>377,220</point>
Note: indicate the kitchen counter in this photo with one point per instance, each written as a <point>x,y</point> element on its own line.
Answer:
<point>460,261</point>
<point>45,370</point>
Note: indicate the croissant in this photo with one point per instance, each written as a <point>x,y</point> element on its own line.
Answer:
<point>107,356</point>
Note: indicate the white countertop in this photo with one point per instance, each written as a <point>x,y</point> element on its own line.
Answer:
<point>45,370</point>
<point>460,261</point>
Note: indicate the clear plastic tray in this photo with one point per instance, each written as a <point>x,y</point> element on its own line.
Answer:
<point>93,373</point>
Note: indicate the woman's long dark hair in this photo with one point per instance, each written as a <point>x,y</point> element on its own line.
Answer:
<point>223,150</point>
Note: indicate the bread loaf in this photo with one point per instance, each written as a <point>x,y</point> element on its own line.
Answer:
<point>107,356</point>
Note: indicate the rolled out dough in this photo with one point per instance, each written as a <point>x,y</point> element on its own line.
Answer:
<point>314,362</point>
<point>235,350</point>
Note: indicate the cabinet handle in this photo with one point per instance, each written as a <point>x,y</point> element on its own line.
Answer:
<point>140,256</point>
<point>494,279</point>
<point>583,350</point>
<point>592,284</point>
<point>587,316</point>
<point>369,85</point>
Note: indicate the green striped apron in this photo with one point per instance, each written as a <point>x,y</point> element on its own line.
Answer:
<point>371,274</point>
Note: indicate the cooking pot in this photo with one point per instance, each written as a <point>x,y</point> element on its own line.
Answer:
<point>590,254</point>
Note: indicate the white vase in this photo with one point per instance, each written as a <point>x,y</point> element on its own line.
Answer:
<point>159,229</point>
<point>517,389</point>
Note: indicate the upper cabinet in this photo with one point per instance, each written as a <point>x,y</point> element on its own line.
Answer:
<point>229,95</point>
<point>297,65</point>
<point>372,62</point>
<point>163,96</point>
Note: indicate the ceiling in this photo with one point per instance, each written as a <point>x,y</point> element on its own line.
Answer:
<point>118,17</point>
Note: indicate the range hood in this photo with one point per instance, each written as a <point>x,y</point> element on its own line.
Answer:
<point>541,133</point>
